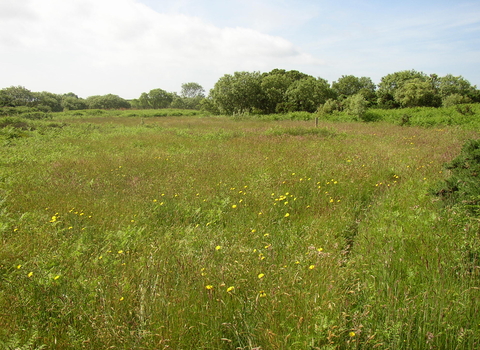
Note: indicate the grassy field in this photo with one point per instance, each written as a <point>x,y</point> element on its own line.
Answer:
<point>194,232</point>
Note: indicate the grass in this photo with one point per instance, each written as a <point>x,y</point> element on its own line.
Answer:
<point>212,233</point>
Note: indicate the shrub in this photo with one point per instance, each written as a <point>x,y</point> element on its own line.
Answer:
<point>463,186</point>
<point>455,99</point>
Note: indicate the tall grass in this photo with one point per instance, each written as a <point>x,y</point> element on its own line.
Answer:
<point>212,233</point>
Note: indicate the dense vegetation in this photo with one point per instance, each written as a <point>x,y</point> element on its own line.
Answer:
<point>134,229</point>
<point>278,91</point>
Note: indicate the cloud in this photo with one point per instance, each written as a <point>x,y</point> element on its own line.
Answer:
<point>124,47</point>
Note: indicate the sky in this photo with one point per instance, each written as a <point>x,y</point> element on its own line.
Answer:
<point>126,47</point>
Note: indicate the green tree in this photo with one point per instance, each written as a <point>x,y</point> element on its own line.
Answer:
<point>190,96</point>
<point>15,96</point>
<point>274,87</point>
<point>356,105</point>
<point>109,101</point>
<point>70,101</point>
<point>455,99</point>
<point>449,85</point>
<point>192,90</point>
<point>155,98</point>
<point>308,94</point>
<point>48,101</point>
<point>158,98</point>
<point>390,83</point>
<point>238,93</point>
<point>417,92</point>
<point>349,85</point>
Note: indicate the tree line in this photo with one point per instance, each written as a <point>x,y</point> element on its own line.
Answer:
<point>19,96</point>
<point>282,91</point>
<point>277,91</point>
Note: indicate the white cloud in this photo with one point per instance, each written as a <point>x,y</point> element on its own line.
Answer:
<point>124,47</point>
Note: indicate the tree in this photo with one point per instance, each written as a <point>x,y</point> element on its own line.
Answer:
<point>274,87</point>
<point>155,98</point>
<point>349,85</point>
<point>192,90</point>
<point>238,93</point>
<point>109,101</point>
<point>390,83</point>
<point>190,96</point>
<point>356,105</point>
<point>158,98</point>
<point>416,93</point>
<point>308,94</point>
<point>72,102</point>
<point>449,85</point>
<point>15,96</point>
<point>48,101</point>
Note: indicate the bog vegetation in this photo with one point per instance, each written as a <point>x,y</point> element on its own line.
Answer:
<point>181,229</point>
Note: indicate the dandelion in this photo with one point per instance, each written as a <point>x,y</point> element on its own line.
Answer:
<point>261,275</point>
<point>234,206</point>
<point>286,215</point>
<point>30,274</point>
<point>53,219</point>
<point>351,334</point>
<point>230,289</point>
<point>120,252</point>
<point>56,277</point>
<point>121,298</point>
<point>19,266</point>
<point>262,294</point>
<point>208,287</point>
<point>218,247</point>
<point>311,267</point>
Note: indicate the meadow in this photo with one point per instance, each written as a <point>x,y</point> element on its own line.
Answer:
<point>137,230</point>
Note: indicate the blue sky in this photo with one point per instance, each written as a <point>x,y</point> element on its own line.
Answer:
<point>127,47</point>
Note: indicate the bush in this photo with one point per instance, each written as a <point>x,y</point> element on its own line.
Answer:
<point>455,99</point>
<point>463,187</point>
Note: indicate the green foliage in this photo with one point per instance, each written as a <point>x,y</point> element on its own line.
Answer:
<point>417,92</point>
<point>192,90</point>
<point>238,93</point>
<point>109,101</point>
<point>15,96</point>
<point>72,102</point>
<point>309,93</point>
<point>452,85</point>
<point>356,105</point>
<point>349,85</point>
<point>330,106</point>
<point>155,99</point>
<point>463,186</point>
<point>455,99</point>
<point>390,83</point>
